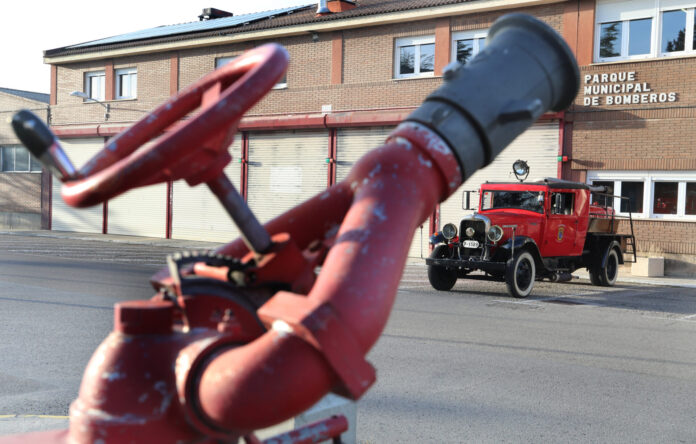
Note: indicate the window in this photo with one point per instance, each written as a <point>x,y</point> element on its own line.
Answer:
<point>126,83</point>
<point>414,57</point>
<point>16,159</point>
<point>95,84</point>
<point>282,83</point>
<point>465,45</point>
<point>652,194</point>
<point>562,203</point>
<point>644,28</point>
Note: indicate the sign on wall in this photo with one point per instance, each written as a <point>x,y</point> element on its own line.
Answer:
<point>621,88</point>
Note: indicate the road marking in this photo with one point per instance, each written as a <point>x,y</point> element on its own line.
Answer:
<point>516,302</point>
<point>35,416</point>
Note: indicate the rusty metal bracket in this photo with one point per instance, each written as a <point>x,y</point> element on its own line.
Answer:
<point>318,324</point>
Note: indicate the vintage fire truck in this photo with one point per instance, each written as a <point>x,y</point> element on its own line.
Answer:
<point>528,231</point>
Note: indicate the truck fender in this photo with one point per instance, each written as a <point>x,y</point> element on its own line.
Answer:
<point>613,244</point>
<point>521,242</point>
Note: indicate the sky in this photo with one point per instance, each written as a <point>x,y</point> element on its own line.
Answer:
<point>29,27</point>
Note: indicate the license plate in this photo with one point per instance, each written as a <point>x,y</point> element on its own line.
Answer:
<point>471,244</point>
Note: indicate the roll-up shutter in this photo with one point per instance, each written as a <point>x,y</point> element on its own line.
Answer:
<point>65,217</point>
<point>285,169</point>
<point>351,145</point>
<point>196,212</point>
<point>139,212</point>
<point>538,146</point>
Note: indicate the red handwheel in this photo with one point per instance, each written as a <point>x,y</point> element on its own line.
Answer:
<point>195,150</point>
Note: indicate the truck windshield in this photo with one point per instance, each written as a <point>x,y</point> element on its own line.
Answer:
<point>524,200</point>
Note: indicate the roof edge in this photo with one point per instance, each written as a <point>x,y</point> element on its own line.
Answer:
<point>180,42</point>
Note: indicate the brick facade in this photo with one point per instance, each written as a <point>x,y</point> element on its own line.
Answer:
<point>352,70</point>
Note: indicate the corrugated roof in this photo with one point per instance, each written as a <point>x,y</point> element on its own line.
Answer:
<point>191,27</point>
<point>280,18</point>
<point>38,97</point>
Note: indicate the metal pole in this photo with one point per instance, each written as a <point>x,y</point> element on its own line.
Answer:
<point>254,234</point>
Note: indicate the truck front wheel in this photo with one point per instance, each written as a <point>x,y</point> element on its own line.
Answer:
<point>606,276</point>
<point>520,274</point>
<point>441,278</point>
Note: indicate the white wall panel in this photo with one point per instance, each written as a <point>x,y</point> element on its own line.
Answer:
<point>63,216</point>
<point>196,212</point>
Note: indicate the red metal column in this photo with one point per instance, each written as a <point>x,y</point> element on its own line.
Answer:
<point>244,179</point>
<point>169,217</point>
<point>332,156</point>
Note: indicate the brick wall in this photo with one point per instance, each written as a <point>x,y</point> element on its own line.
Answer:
<point>10,104</point>
<point>659,237</point>
<point>20,193</point>
<point>368,67</point>
<point>153,89</point>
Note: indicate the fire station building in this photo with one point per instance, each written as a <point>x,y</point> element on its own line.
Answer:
<point>358,68</point>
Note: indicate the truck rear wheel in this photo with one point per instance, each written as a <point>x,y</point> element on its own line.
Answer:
<point>441,278</point>
<point>520,274</point>
<point>606,276</point>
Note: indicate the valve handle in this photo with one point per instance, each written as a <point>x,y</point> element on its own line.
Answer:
<point>43,144</point>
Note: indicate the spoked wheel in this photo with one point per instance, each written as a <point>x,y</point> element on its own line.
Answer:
<point>520,275</point>
<point>440,277</point>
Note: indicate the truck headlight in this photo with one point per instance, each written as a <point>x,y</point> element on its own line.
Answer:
<point>449,231</point>
<point>495,233</point>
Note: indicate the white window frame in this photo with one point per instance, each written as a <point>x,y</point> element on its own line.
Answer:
<point>609,11</point>
<point>649,178</point>
<point>411,41</point>
<point>102,84</point>
<point>132,73</point>
<point>32,161</point>
<point>221,61</point>
<point>468,35</point>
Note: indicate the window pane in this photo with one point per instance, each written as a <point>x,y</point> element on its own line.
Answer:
<point>639,36</point>
<point>603,199</point>
<point>407,55</point>
<point>665,198</point>
<point>21,159</point>
<point>482,43</point>
<point>465,50</point>
<point>427,58</point>
<point>673,30</point>
<point>691,198</point>
<point>35,164</point>
<point>8,158</point>
<point>610,39</point>
<point>634,191</point>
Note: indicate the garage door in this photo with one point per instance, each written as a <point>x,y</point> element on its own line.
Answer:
<point>63,216</point>
<point>139,212</point>
<point>196,212</point>
<point>285,169</point>
<point>351,145</point>
<point>538,146</point>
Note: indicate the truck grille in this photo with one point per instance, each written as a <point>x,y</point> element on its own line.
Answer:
<point>478,225</point>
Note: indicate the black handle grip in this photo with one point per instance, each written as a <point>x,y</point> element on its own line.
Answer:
<point>42,143</point>
<point>524,70</point>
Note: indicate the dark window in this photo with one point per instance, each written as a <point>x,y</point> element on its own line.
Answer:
<point>610,39</point>
<point>407,59</point>
<point>427,58</point>
<point>604,199</point>
<point>673,30</point>
<point>634,192</point>
<point>639,36</point>
<point>523,200</point>
<point>562,203</point>
<point>691,198</point>
<point>665,200</point>
<point>465,50</point>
